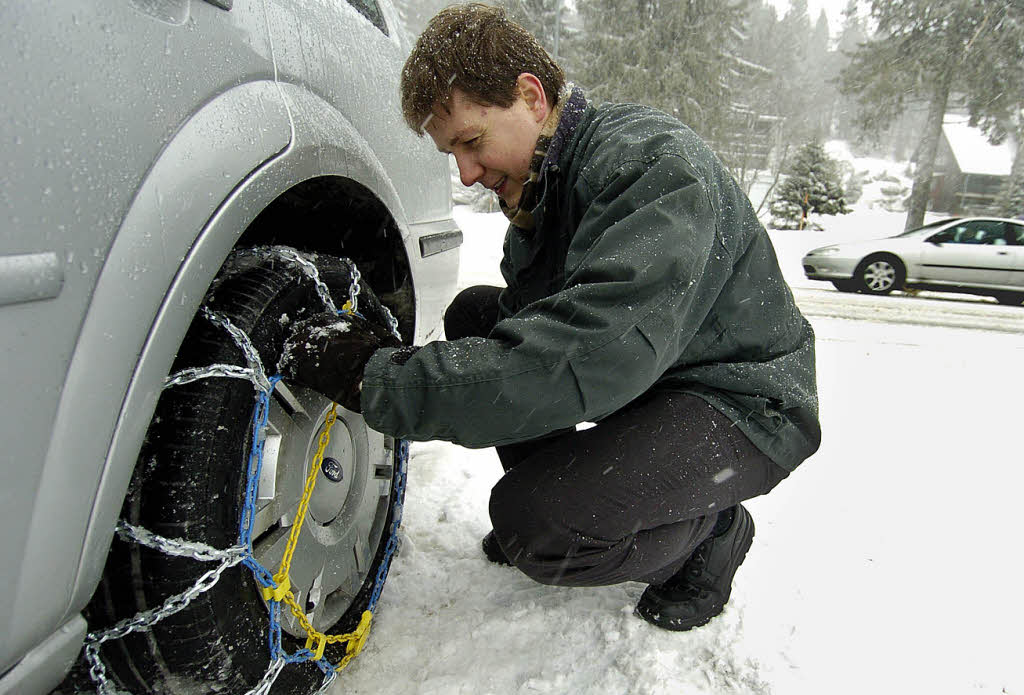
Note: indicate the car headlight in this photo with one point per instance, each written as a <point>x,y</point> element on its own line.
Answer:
<point>824,251</point>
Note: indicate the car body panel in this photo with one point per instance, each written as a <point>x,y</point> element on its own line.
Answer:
<point>181,192</point>
<point>77,156</point>
<point>42,669</point>
<point>1017,273</point>
<point>1017,250</point>
<point>935,256</point>
<point>958,264</point>
<point>139,233</point>
<point>971,252</point>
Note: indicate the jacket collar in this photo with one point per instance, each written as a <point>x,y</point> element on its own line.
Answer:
<point>570,118</point>
<point>547,152</point>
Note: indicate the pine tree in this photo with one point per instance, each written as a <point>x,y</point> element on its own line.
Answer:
<point>794,99</point>
<point>923,50</point>
<point>812,185</point>
<point>1011,198</point>
<point>995,97</point>
<point>545,20</point>
<point>676,56</point>
<point>818,69</point>
<point>851,35</point>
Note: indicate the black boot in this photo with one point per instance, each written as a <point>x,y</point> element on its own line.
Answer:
<point>699,591</point>
<point>493,551</point>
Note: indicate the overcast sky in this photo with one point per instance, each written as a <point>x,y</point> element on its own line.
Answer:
<point>833,9</point>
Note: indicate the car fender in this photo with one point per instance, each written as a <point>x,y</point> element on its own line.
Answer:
<point>910,256</point>
<point>201,166</point>
<point>321,142</point>
<point>894,251</point>
<point>326,143</point>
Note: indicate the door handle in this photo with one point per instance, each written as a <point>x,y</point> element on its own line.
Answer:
<point>30,276</point>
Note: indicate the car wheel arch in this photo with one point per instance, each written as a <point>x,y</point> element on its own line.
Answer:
<point>898,264</point>
<point>347,161</point>
<point>124,301</point>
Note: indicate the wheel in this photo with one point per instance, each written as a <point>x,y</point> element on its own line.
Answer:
<point>1010,298</point>
<point>190,484</point>
<point>845,285</point>
<point>879,274</point>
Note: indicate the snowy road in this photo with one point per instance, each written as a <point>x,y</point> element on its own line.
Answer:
<point>932,309</point>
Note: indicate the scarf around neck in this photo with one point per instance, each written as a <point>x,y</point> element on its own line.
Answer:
<point>553,136</point>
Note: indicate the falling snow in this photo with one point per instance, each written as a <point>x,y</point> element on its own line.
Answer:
<point>868,573</point>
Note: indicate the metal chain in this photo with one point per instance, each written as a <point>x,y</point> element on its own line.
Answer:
<point>98,672</point>
<point>252,357</point>
<point>274,670</point>
<point>198,551</point>
<point>187,376</point>
<point>142,621</point>
<point>309,268</point>
<point>172,605</point>
<point>328,682</point>
<point>392,322</point>
<point>354,289</point>
<point>235,555</point>
<point>177,547</point>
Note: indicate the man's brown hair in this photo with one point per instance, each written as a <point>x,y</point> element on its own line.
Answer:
<point>478,50</point>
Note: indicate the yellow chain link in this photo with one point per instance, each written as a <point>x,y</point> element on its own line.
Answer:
<point>307,493</point>
<point>316,641</point>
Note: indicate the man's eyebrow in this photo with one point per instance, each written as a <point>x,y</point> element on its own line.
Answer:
<point>455,138</point>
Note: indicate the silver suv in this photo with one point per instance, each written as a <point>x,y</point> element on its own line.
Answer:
<point>180,181</point>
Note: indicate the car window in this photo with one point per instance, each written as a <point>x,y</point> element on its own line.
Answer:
<point>985,232</point>
<point>924,228</point>
<point>371,10</point>
<point>1015,233</point>
<point>948,236</point>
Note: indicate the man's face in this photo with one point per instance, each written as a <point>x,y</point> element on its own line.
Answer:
<point>492,145</point>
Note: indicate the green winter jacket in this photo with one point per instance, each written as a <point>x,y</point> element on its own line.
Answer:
<point>646,269</point>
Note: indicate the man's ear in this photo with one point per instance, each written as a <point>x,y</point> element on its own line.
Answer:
<point>532,92</point>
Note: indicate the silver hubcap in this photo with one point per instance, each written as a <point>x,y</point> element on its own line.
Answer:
<point>347,511</point>
<point>879,276</point>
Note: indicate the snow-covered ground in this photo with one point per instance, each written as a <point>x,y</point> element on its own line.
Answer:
<point>890,562</point>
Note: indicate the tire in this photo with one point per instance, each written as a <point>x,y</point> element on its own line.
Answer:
<point>880,274</point>
<point>845,285</point>
<point>189,483</point>
<point>1010,298</point>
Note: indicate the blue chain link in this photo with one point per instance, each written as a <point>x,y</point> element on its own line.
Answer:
<point>396,521</point>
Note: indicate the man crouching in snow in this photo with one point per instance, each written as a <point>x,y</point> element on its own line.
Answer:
<point>642,294</point>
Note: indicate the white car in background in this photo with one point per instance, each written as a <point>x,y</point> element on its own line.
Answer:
<point>973,255</point>
<point>164,162</point>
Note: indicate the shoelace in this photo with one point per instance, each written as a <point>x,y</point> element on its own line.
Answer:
<point>693,569</point>
<point>699,559</point>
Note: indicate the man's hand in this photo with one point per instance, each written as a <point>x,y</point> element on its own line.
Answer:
<point>328,353</point>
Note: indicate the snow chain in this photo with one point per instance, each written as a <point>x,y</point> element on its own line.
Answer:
<point>276,587</point>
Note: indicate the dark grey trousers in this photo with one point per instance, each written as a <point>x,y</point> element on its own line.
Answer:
<point>625,500</point>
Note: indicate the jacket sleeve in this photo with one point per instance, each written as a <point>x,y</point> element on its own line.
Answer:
<point>643,238</point>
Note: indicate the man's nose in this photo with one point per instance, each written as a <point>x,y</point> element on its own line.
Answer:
<point>470,170</point>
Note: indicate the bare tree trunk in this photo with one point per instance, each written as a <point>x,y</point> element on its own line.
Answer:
<point>776,174</point>
<point>929,145</point>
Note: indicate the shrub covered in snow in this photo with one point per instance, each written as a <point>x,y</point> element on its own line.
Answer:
<point>812,185</point>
